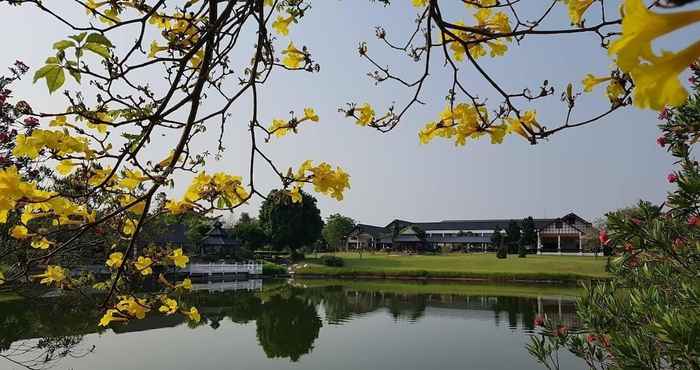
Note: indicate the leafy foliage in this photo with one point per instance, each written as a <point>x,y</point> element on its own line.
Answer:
<point>336,228</point>
<point>290,224</point>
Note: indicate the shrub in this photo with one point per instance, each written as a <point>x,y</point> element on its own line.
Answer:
<point>522,251</point>
<point>271,269</point>
<point>333,261</point>
<point>502,251</point>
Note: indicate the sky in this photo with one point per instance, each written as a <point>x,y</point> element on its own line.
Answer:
<point>590,170</point>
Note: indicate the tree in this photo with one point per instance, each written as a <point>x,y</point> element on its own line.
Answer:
<point>335,230</point>
<point>250,232</point>
<point>290,224</point>
<point>528,238</point>
<point>287,327</point>
<point>648,315</point>
<point>512,236</point>
<point>132,71</point>
<point>497,237</point>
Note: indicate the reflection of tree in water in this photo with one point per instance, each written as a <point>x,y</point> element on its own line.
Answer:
<point>58,323</point>
<point>287,327</point>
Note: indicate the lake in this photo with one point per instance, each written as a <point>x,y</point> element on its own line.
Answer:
<point>310,325</point>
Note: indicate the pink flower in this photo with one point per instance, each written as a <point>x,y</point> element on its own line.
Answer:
<point>678,244</point>
<point>694,221</point>
<point>3,137</point>
<point>591,338</point>
<point>636,221</point>
<point>664,114</point>
<point>539,321</point>
<point>672,177</point>
<point>603,237</point>
<point>661,141</point>
<point>31,121</point>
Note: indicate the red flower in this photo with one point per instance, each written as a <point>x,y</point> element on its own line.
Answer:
<point>664,114</point>
<point>591,338</point>
<point>539,321</point>
<point>636,221</point>
<point>603,237</point>
<point>561,331</point>
<point>694,221</point>
<point>672,177</point>
<point>31,121</point>
<point>629,248</point>
<point>661,140</point>
<point>678,244</point>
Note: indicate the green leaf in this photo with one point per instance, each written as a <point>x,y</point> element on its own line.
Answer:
<point>51,60</point>
<point>98,49</point>
<point>54,75</point>
<point>98,38</point>
<point>75,73</point>
<point>63,44</point>
<point>79,37</point>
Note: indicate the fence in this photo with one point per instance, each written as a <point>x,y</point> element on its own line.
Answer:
<point>251,268</point>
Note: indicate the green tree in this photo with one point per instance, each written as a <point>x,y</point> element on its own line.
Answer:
<point>648,315</point>
<point>250,232</point>
<point>528,237</point>
<point>337,227</point>
<point>512,236</point>
<point>287,327</point>
<point>289,224</point>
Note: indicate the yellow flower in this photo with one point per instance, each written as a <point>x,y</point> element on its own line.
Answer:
<point>129,227</point>
<point>2,278</point>
<point>135,307</point>
<point>115,260</point>
<point>279,127</point>
<point>590,81</point>
<point>176,207</point>
<point>179,259</point>
<point>293,57</point>
<point>527,120</point>
<point>615,91</point>
<point>155,49</point>
<point>281,25</point>
<point>19,232</point>
<point>143,264</point>
<point>657,84</point>
<point>42,243</point>
<point>640,27</point>
<point>108,317</point>
<point>310,114</point>
<point>419,3</point>
<point>136,207</point>
<point>26,146</point>
<point>497,133</point>
<point>132,179</point>
<point>576,10</point>
<point>53,274</point>
<point>295,193</point>
<point>65,167</point>
<point>366,114</point>
<point>159,21</point>
<point>185,284</point>
<point>169,306</point>
<point>192,314</point>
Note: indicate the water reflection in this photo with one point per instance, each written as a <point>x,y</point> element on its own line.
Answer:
<point>287,319</point>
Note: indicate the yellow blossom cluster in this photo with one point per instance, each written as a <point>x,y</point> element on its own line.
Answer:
<point>656,77</point>
<point>488,23</point>
<point>326,180</point>
<point>615,89</point>
<point>53,274</point>
<point>280,127</point>
<point>465,121</point>
<point>224,189</point>
<point>130,307</point>
<point>60,143</point>
<point>576,10</point>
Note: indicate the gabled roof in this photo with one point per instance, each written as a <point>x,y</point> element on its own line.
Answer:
<point>375,231</point>
<point>478,224</point>
<point>218,237</point>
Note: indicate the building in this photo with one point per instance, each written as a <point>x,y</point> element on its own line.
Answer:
<point>554,235</point>
<point>218,243</point>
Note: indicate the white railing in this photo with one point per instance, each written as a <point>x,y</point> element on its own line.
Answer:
<point>251,268</point>
<point>223,286</point>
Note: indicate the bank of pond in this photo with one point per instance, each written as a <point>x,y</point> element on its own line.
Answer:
<point>309,324</point>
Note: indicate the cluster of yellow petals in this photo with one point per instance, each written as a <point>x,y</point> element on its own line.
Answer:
<point>143,265</point>
<point>365,114</point>
<point>135,307</point>
<point>576,10</point>
<point>655,77</point>
<point>60,143</point>
<point>53,274</point>
<point>293,57</point>
<point>115,260</point>
<point>168,306</point>
<point>326,180</point>
<point>281,24</point>
<point>227,190</point>
<point>280,127</point>
<point>486,21</point>
<point>465,121</point>
<point>615,89</point>
<point>179,258</point>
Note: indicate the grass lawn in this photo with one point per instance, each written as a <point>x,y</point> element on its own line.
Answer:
<point>460,265</point>
<point>454,288</point>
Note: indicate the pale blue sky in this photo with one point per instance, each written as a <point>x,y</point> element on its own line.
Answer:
<point>589,170</point>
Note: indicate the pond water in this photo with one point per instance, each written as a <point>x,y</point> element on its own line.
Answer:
<point>313,325</point>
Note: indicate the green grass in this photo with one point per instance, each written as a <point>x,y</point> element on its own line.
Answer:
<point>472,289</point>
<point>464,266</point>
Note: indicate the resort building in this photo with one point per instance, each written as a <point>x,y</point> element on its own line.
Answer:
<point>554,235</point>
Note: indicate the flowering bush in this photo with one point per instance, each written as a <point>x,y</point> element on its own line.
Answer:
<point>648,316</point>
